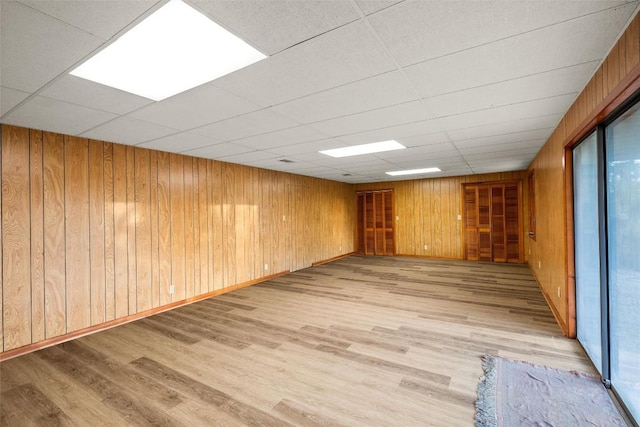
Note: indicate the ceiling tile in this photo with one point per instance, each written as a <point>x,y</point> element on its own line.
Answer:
<point>512,126</point>
<point>501,154</point>
<point>246,125</point>
<point>336,58</point>
<point>101,18</point>
<point>496,148</point>
<point>407,112</point>
<point>56,116</point>
<point>369,94</point>
<point>369,7</point>
<point>415,31</point>
<point>125,130</point>
<point>537,108</point>
<point>179,142</point>
<point>249,157</point>
<point>272,26</point>
<point>218,150</point>
<point>284,137</point>
<point>544,85</point>
<point>9,98</point>
<point>196,107</point>
<point>528,135</point>
<point>398,133</point>
<point>36,48</point>
<point>310,147</point>
<point>574,42</point>
<point>76,90</point>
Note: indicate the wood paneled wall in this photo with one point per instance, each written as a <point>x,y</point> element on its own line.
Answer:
<point>94,231</point>
<point>551,257</point>
<point>428,209</point>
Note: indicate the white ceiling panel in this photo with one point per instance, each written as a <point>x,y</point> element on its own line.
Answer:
<point>369,7</point>
<point>196,107</point>
<point>36,48</point>
<point>394,115</point>
<point>571,43</point>
<point>336,58</point>
<point>530,135</point>
<point>538,86</point>
<point>523,110</point>
<point>508,127</point>
<point>511,153</point>
<point>218,150</point>
<point>251,156</point>
<point>369,94</point>
<point>424,141</point>
<point>246,125</point>
<point>311,147</point>
<point>125,130</point>
<point>76,90</point>
<point>421,151</point>
<point>516,145</point>
<point>55,116</point>
<point>179,142</point>
<point>101,18</point>
<point>416,31</point>
<point>272,26</point>
<point>398,133</point>
<point>280,138</point>
<point>9,98</point>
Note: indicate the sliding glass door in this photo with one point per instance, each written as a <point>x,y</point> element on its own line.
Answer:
<point>587,248</point>
<point>606,172</point>
<point>622,142</point>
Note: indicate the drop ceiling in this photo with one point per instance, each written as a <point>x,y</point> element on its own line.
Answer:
<point>467,86</point>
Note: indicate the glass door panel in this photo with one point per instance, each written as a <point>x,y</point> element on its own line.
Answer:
<point>623,230</point>
<point>587,253</point>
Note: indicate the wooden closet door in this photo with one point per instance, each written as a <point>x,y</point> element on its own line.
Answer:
<point>484,223</point>
<point>375,229</point>
<point>471,222</point>
<point>512,223</point>
<point>498,235</point>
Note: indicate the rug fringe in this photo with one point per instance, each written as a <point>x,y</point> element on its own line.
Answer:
<point>486,413</point>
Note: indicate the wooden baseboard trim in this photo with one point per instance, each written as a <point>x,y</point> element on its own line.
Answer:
<point>335,258</point>
<point>554,311</point>
<point>10,354</point>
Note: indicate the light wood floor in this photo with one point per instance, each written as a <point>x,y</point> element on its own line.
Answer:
<point>361,341</point>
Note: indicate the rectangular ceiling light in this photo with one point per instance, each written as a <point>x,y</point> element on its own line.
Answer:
<point>413,171</point>
<point>174,49</point>
<point>356,150</point>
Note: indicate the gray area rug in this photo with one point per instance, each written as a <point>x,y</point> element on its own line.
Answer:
<point>513,393</point>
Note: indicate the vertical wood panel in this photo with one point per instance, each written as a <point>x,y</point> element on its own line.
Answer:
<point>143,251</point>
<point>78,249</point>
<point>109,234</point>
<point>229,224</point>
<point>121,261</point>
<point>217,254</point>
<point>188,227</point>
<point>97,231</point>
<point>16,239</point>
<point>131,230</point>
<point>37,237</point>
<point>164,228</point>
<point>177,226</point>
<point>155,240</point>
<point>206,284</point>
<point>196,228</point>
<point>54,237</point>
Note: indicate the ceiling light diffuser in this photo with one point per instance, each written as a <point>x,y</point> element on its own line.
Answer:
<point>413,171</point>
<point>356,150</point>
<point>174,49</point>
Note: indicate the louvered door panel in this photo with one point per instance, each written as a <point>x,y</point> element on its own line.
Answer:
<point>498,235</point>
<point>484,223</point>
<point>471,222</point>
<point>512,222</point>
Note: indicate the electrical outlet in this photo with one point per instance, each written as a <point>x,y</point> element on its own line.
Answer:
<point>459,217</point>
<point>539,264</point>
<point>529,251</point>
<point>558,291</point>
<point>340,249</point>
<point>284,217</point>
<point>426,247</point>
<point>172,289</point>
<point>266,267</point>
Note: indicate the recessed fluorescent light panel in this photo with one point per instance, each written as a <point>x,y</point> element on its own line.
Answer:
<point>356,150</point>
<point>414,171</point>
<point>174,49</point>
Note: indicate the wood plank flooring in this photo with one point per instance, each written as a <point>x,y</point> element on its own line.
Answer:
<point>371,341</point>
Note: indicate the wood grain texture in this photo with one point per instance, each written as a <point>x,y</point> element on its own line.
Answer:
<point>109,228</point>
<point>373,341</point>
<point>16,239</point>
<point>97,232</point>
<point>550,255</point>
<point>78,247</point>
<point>37,237</point>
<point>54,238</point>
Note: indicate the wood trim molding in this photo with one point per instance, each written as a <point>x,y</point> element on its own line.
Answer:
<point>554,311</point>
<point>127,319</point>
<point>335,258</point>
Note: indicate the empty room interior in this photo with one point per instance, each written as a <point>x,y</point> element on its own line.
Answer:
<point>314,212</point>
